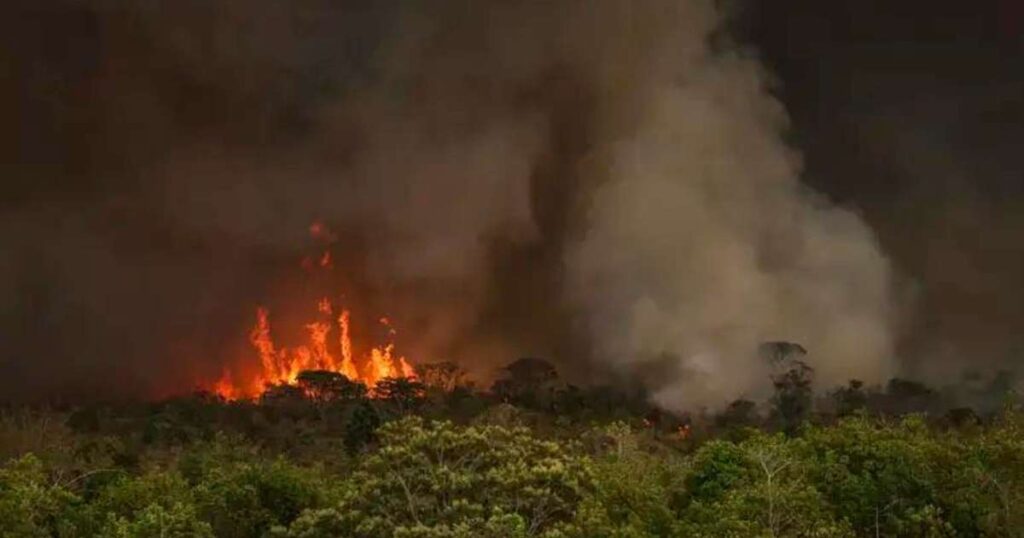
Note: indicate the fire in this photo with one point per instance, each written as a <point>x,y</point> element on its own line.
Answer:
<point>348,368</point>
<point>321,351</point>
<point>280,365</point>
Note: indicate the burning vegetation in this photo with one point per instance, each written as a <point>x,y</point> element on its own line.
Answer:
<point>328,348</point>
<point>282,365</point>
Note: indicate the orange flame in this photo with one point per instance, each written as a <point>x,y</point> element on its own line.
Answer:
<point>280,365</point>
<point>348,368</point>
<point>283,365</point>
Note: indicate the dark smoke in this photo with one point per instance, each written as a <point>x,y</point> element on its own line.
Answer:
<point>599,182</point>
<point>914,112</point>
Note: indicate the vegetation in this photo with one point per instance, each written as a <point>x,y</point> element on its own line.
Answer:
<point>531,457</point>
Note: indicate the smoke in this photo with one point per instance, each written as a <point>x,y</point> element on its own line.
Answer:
<point>703,242</point>
<point>599,182</point>
<point>928,155</point>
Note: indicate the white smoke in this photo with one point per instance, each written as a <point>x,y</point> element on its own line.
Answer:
<point>702,242</point>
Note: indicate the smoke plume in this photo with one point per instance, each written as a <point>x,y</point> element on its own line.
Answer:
<point>602,183</point>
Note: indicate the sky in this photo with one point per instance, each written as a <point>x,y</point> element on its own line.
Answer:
<point>161,163</point>
<point>913,112</point>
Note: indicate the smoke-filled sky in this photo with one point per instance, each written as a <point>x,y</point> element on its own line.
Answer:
<point>639,191</point>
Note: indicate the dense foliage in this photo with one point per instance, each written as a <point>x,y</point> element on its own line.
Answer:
<point>531,457</point>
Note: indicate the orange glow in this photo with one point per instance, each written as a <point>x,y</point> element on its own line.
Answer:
<point>283,365</point>
<point>348,367</point>
<point>318,345</point>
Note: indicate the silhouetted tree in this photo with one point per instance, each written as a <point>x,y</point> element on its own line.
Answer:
<point>361,426</point>
<point>282,394</point>
<point>904,396</point>
<point>793,395</point>
<point>739,414</point>
<point>528,382</point>
<point>443,376</point>
<point>850,398</point>
<point>404,393</point>
<point>328,386</point>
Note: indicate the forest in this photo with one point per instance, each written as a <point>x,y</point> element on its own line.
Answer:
<point>530,455</point>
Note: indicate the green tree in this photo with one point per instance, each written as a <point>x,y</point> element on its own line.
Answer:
<point>879,476</point>
<point>991,491</point>
<point>438,480</point>
<point>241,493</point>
<point>635,491</point>
<point>176,521</point>
<point>30,506</point>
<point>759,487</point>
<point>247,499</point>
<point>124,496</point>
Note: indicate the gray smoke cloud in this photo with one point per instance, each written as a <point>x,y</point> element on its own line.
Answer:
<point>702,242</point>
<point>603,183</point>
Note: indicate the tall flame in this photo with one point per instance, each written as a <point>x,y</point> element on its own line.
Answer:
<point>348,367</point>
<point>280,365</point>
<point>283,365</point>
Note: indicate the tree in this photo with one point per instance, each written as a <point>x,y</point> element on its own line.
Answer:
<point>361,427</point>
<point>283,394</point>
<point>994,478</point>
<point>528,382</point>
<point>793,395</point>
<point>435,479</point>
<point>635,490</point>
<point>879,476</point>
<point>741,413</point>
<point>246,497</point>
<point>327,386</point>
<point>30,506</point>
<point>715,469</point>
<point>117,504</point>
<point>177,521</point>
<point>443,377</point>
<point>850,399</point>
<point>404,393</point>
<point>904,396</point>
<point>759,487</point>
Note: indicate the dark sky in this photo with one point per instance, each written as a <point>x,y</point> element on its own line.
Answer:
<point>912,112</point>
<point>909,112</point>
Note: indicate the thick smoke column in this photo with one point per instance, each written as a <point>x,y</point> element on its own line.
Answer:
<point>597,182</point>
<point>701,242</point>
